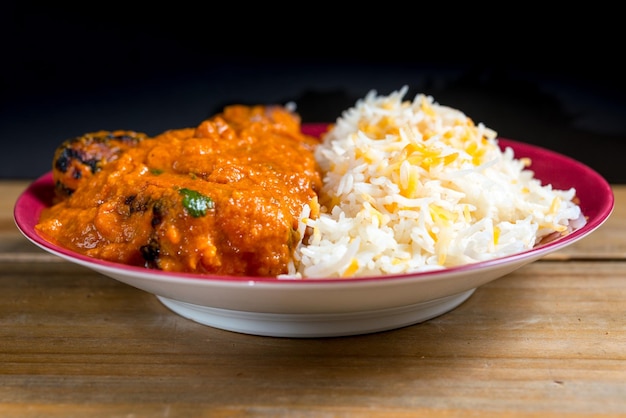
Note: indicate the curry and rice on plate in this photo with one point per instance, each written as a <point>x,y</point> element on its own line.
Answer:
<point>392,186</point>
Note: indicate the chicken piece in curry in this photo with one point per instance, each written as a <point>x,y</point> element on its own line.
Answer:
<point>222,198</point>
<point>79,158</point>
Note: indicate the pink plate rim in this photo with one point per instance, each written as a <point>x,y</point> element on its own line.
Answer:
<point>596,199</point>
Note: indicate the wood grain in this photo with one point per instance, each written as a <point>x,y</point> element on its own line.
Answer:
<point>546,340</point>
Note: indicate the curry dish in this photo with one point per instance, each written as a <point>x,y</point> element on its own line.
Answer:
<point>222,198</point>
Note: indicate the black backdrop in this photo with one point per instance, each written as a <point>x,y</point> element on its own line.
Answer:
<point>71,69</point>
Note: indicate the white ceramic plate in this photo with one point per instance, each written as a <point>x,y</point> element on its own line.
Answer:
<point>333,307</point>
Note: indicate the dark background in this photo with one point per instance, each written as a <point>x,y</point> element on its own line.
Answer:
<point>555,81</point>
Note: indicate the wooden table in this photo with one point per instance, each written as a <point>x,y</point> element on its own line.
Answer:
<point>547,340</point>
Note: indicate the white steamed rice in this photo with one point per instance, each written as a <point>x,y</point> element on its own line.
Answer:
<point>416,186</point>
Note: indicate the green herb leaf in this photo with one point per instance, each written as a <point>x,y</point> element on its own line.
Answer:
<point>196,203</point>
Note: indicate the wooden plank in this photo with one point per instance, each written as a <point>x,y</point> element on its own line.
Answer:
<point>548,339</point>
<point>605,243</point>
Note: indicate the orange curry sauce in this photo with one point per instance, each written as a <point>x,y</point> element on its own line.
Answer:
<point>222,198</point>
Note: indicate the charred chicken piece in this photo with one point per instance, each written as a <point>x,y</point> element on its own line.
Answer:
<point>79,158</point>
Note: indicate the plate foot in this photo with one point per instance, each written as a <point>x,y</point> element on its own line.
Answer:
<point>316,325</point>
